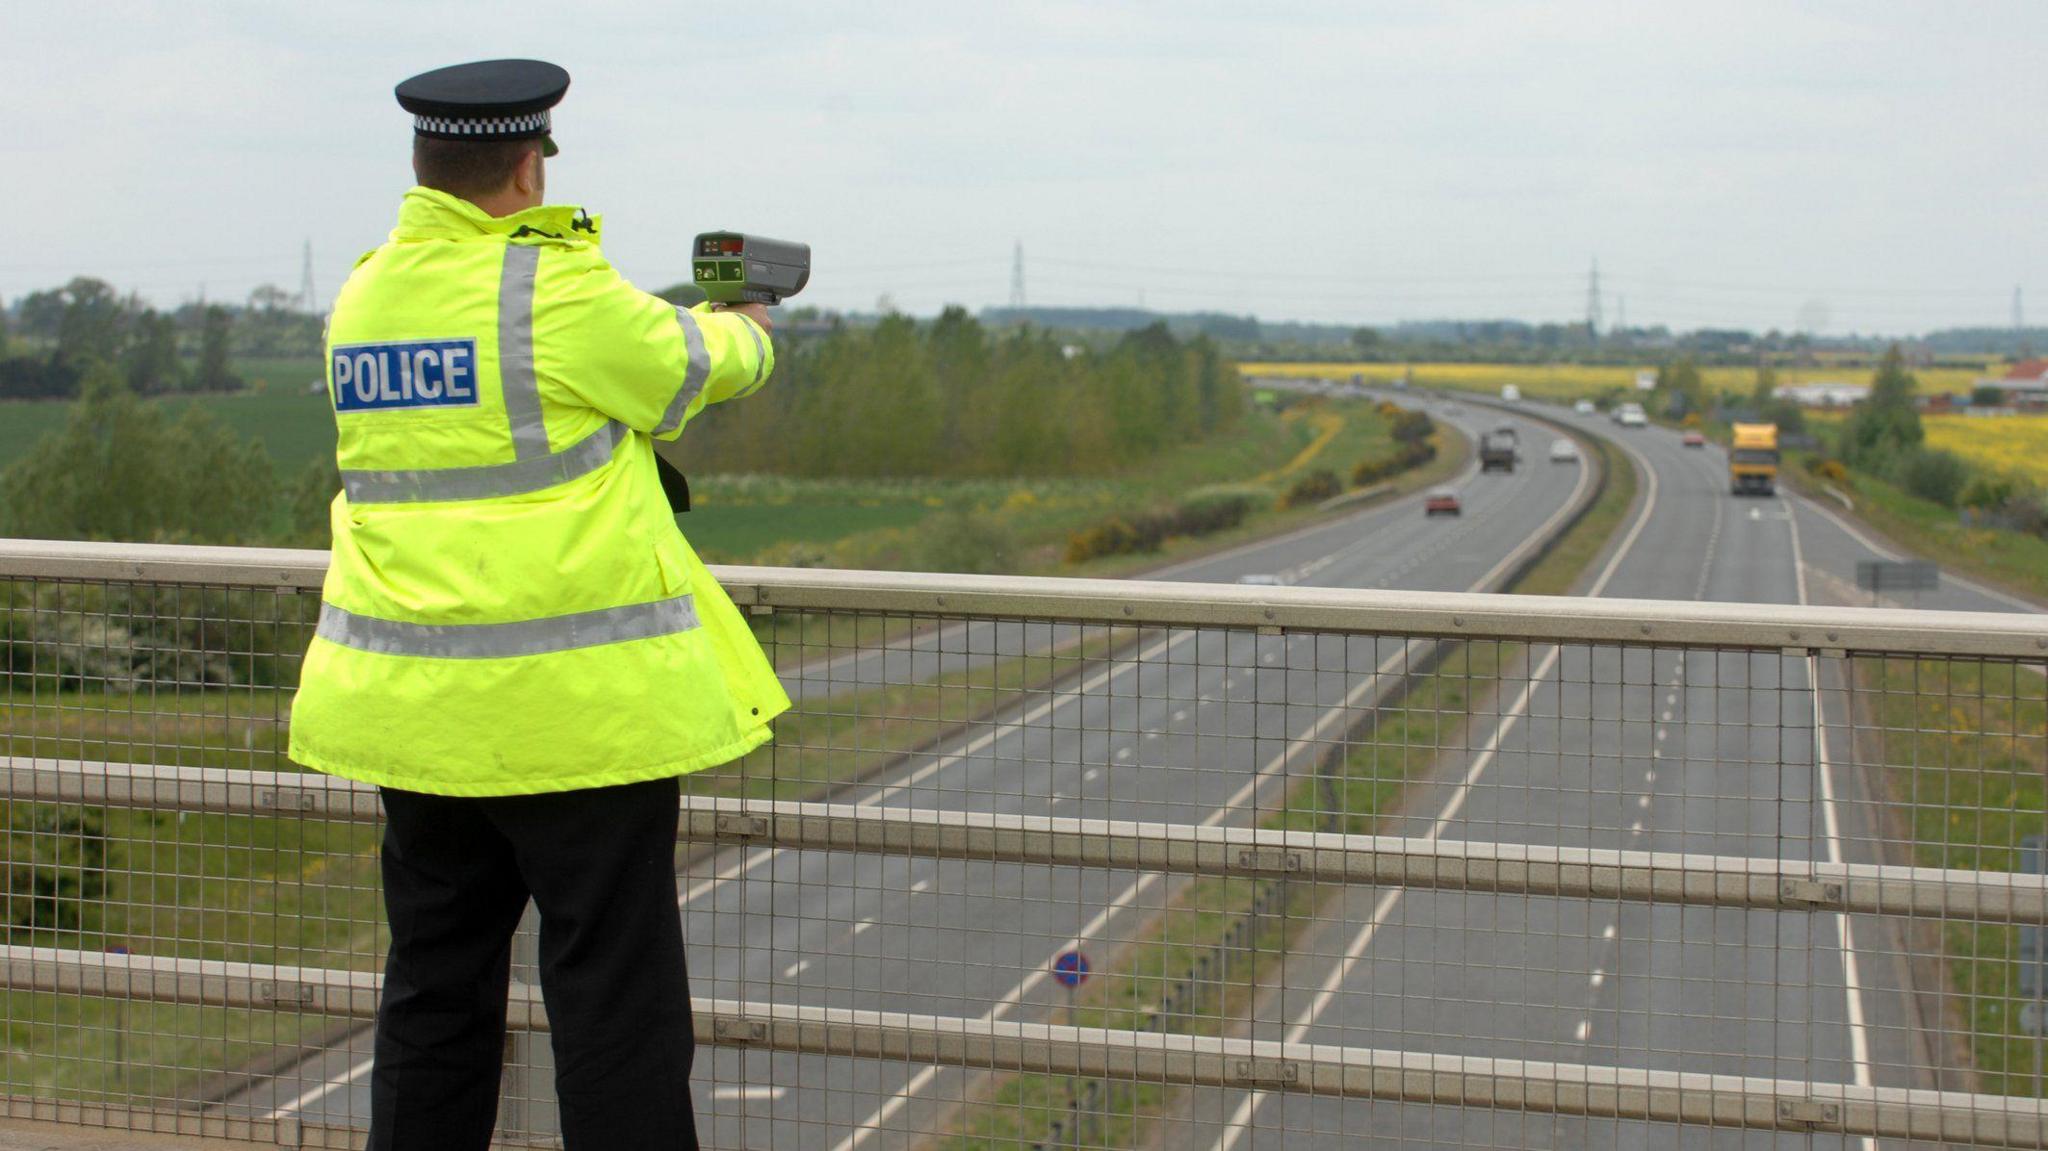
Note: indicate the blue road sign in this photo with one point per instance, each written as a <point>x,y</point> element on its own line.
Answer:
<point>1070,969</point>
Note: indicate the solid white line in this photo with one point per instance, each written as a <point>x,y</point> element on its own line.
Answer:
<point>749,1093</point>
<point>1240,1120</point>
<point>1845,940</point>
<point>316,1094</point>
<point>1234,805</point>
<point>1882,552</point>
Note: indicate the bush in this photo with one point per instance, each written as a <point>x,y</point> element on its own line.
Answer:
<point>1204,511</point>
<point>1824,468</point>
<point>1938,476</point>
<point>1311,488</point>
<point>1986,493</point>
<point>1377,468</point>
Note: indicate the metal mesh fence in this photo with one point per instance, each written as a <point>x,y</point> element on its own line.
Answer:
<point>1328,869</point>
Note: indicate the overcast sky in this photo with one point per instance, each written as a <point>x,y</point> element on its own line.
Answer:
<point>1845,166</point>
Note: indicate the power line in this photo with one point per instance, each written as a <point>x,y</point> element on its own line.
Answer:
<point>306,278</point>
<point>1017,277</point>
<point>1593,300</point>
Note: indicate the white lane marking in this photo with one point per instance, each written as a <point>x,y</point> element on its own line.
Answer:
<point>1151,735</point>
<point>1235,805</point>
<point>980,743</point>
<point>1180,716</point>
<point>863,925</point>
<point>1636,827</point>
<point>1699,590</point>
<point>1650,776</point>
<point>1599,976</point>
<point>796,969</point>
<point>1664,716</point>
<point>1091,775</point>
<point>1845,940</point>
<point>1585,1029</point>
<point>921,885</point>
<point>1886,553</point>
<point>1058,797</point>
<point>314,1095</point>
<point>1607,932</point>
<point>749,1093</point>
<point>1240,1119</point>
<point>1661,733</point>
<point>1672,699</point>
<point>1642,801</point>
<point>1122,754</point>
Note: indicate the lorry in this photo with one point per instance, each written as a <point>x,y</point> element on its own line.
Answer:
<point>1510,394</point>
<point>1753,459</point>
<point>1497,451</point>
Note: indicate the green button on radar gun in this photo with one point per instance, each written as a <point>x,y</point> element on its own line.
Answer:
<point>735,268</point>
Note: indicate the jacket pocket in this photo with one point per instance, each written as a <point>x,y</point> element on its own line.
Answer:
<point>675,570</point>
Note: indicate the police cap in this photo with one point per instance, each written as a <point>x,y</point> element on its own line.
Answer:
<point>487,100</point>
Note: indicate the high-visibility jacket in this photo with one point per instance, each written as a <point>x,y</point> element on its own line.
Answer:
<point>510,607</point>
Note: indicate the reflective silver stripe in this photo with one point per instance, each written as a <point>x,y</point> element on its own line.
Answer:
<point>515,351</point>
<point>694,374</point>
<point>760,357</point>
<point>506,640</point>
<point>484,481</point>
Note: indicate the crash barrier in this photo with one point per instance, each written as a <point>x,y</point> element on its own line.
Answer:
<point>1067,863</point>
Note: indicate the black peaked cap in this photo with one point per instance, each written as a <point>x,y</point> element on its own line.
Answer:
<point>486,100</point>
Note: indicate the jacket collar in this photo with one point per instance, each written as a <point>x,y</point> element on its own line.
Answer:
<point>430,214</point>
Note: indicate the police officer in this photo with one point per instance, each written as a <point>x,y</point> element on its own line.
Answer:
<point>515,643</point>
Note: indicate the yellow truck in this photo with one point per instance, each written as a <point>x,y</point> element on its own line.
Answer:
<point>1753,460</point>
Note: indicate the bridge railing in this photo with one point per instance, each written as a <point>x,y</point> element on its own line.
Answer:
<point>1107,864</point>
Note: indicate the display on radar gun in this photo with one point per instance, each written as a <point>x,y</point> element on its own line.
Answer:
<point>736,268</point>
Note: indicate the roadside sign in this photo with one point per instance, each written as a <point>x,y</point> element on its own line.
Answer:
<point>1897,575</point>
<point>1070,969</point>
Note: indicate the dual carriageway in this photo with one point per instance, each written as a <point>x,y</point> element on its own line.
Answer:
<point>1604,747</point>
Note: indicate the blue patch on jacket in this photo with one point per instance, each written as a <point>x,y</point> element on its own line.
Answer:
<point>414,374</point>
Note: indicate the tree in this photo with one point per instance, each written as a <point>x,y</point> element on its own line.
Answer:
<point>1763,397</point>
<point>1884,430</point>
<point>270,298</point>
<point>1365,341</point>
<point>1987,396</point>
<point>3,329</point>
<point>214,375</point>
<point>1684,390</point>
<point>150,363</point>
<point>119,470</point>
<point>90,327</point>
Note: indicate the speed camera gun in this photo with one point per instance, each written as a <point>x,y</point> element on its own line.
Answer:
<point>735,268</point>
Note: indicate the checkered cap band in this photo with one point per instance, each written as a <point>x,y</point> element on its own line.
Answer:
<point>483,127</point>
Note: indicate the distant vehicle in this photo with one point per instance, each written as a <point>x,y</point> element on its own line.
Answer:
<point>1564,452</point>
<point>1693,440</point>
<point>1585,407</point>
<point>1510,393</point>
<point>1497,452</point>
<point>1261,579</point>
<point>1443,502</point>
<point>1753,459</point>
<point>1631,416</point>
<point>1507,432</point>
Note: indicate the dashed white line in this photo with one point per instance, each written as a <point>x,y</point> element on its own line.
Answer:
<point>863,925</point>
<point>1636,827</point>
<point>1599,976</point>
<point>796,969</point>
<point>749,1093</point>
<point>921,885</point>
<point>1607,932</point>
<point>1585,1029</point>
<point>1122,754</point>
<point>1664,716</point>
<point>1642,801</point>
<point>1091,775</point>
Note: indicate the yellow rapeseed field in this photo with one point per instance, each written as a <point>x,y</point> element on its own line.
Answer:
<point>1575,381</point>
<point>2008,445</point>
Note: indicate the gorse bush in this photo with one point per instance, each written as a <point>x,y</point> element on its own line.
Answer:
<point>1311,488</point>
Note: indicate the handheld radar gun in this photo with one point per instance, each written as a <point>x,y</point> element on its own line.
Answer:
<point>736,268</point>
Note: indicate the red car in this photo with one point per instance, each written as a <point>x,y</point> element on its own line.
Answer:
<point>1442,502</point>
<point>1694,440</point>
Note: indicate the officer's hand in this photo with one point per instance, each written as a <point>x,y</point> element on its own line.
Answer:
<point>755,312</point>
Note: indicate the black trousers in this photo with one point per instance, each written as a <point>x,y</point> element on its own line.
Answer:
<point>600,866</point>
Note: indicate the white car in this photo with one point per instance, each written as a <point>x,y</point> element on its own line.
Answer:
<point>1584,407</point>
<point>1261,579</point>
<point>1564,452</point>
<point>1631,416</point>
